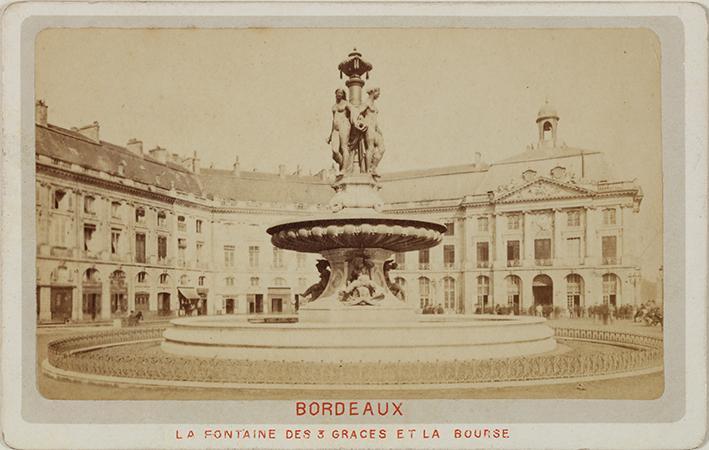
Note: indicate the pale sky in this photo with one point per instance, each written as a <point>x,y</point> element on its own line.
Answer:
<point>265,95</point>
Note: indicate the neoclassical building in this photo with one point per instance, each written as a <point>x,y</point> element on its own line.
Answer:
<point>121,229</point>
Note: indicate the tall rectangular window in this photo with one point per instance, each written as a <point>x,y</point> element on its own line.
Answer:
<point>89,242</point>
<point>199,252</point>
<point>181,251</point>
<point>89,205</point>
<point>482,224</point>
<point>140,215</point>
<point>609,249</point>
<point>513,253</point>
<point>253,256</point>
<point>573,247</point>
<point>300,260</point>
<point>542,251</point>
<point>198,226</point>
<point>115,241</point>
<point>573,218</point>
<point>277,257</point>
<point>609,216</point>
<point>162,248</point>
<point>449,256</point>
<point>140,247</point>
<point>483,253</point>
<point>513,221</point>
<point>116,210</point>
<point>60,200</point>
<point>181,223</point>
<point>424,261</point>
<point>162,218</point>
<point>228,256</point>
<point>450,229</point>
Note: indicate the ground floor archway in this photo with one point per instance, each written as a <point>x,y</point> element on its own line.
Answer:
<point>543,290</point>
<point>164,304</point>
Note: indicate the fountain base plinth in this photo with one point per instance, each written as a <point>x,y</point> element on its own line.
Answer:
<point>331,310</point>
<point>427,338</point>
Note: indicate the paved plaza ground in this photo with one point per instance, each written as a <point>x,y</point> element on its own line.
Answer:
<point>636,387</point>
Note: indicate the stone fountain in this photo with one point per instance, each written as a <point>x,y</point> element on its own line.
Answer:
<point>354,313</point>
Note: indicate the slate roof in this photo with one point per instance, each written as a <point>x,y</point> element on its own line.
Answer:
<point>74,148</point>
<point>266,187</point>
<point>439,183</point>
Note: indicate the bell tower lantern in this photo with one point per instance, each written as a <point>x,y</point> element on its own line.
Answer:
<point>547,122</point>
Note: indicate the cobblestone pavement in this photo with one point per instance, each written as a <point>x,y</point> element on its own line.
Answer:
<point>637,387</point>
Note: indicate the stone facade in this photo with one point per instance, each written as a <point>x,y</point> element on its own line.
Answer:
<point>119,230</point>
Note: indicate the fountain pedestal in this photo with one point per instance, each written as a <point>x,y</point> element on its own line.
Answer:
<point>370,302</point>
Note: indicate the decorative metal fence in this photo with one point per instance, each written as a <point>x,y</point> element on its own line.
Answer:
<point>67,354</point>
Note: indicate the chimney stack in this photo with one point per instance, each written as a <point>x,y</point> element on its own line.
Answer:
<point>40,113</point>
<point>159,154</point>
<point>236,167</point>
<point>135,146</point>
<point>90,131</point>
<point>282,170</point>
<point>195,163</point>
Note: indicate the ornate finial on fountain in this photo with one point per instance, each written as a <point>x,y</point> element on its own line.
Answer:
<point>354,67</point>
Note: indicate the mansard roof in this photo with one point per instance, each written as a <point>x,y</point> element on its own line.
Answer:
<point>74,148</point>
<point>586,167</point>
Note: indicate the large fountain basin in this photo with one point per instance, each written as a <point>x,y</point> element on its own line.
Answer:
<point>327,233</point>
<point>431,338</point>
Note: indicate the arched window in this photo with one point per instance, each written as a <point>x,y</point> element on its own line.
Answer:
<point>254,281</point>
<point>574,291</point>
<point>164,278</point>
<point>229,281</point>
<point>91,276</point>
<point>201,280</point>
<point>483,290</point>
<point>424,292</point>
<point>184,280</point>
<point>449,292</point>
<point>142,277</point>
<point>514,290</point>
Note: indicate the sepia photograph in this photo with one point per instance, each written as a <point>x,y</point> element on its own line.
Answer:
<point>353,225</point>
<point>348,213</point>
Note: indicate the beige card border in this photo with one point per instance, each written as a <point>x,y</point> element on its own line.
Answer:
<point>676,418</point>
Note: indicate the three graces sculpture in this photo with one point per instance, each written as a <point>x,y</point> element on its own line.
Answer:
<point>356,139</point>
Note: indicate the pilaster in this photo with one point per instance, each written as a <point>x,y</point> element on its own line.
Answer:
<point>45,311</point>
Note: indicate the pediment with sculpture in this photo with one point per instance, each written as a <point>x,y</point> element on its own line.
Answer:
<point>541,188</point>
